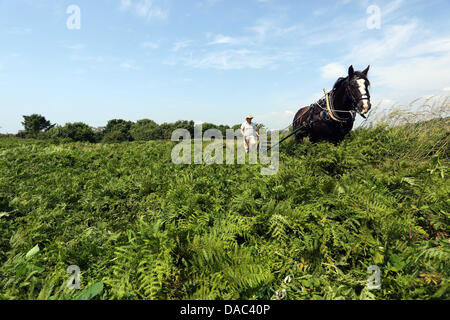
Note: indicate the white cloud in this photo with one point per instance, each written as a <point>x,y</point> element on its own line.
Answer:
<point>267,29</point>
<point>150,45</point>
<point>129,65</point>
<point>416,76</point>
<point>77,46</point>
<point>407,61</point>
<point>79,71</point>
<point>92,59</point>
<point>333,70</point>
<point>221,39</point>
<point>208,3</point>
<point>148,9</point>
<point>237,59</point>
<point>394,38</point>
<point>319,12</point>
<point>18,30</point>
<point>392,7</point>
<point>433,46</point>
<point>181,44</point>
<point>258,47</point>
<point>276,120</point>
<point>125,4</point>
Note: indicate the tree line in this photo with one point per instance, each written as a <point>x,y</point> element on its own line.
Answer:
<point>117,130</point>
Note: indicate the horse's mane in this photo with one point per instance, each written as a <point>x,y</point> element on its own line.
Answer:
<point>339,82</point>
<point>359,74</point>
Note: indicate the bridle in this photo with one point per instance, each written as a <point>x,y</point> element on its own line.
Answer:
<point>356,100</point>
<point>354,103</point>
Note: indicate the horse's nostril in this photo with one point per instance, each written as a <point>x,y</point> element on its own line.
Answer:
<point>366,108</point>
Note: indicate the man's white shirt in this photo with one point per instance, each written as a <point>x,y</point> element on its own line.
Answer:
<point>249,129</point>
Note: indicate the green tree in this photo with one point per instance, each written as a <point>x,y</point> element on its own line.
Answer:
<point>118,129</point>
<point>144,130</point>
<point>78,131</point>
<point>115,137</point>
<point>35,124</point>
<point>165,130</point>
<point>236,126</point>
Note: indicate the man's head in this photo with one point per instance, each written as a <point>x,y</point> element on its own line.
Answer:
<point>249,119</point>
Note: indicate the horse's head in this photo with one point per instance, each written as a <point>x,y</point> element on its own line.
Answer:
<point>358,87</point>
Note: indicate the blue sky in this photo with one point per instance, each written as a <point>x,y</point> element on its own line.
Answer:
<point>211,60</point>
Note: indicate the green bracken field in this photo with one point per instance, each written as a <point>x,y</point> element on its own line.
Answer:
<point>140,227</point>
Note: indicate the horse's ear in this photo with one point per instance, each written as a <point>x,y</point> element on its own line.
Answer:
<point>365,72</point>
<point>351,71</point>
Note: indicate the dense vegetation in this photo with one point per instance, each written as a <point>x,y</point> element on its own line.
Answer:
<point>117,130</point>
<point>141,227</point>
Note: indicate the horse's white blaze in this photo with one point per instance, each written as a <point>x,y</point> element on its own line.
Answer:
<point>361,86</point>
<point>362,89</point>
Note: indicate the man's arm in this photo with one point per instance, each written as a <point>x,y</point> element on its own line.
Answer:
<point>256,130</point>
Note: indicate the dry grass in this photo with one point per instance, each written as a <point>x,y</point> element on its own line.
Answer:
<point>426,121</point>
<point>419,110</point>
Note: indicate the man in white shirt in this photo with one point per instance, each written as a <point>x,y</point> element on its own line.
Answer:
<point>249,132</point>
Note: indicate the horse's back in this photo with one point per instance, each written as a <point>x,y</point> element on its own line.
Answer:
<point>300,117</point>
<point>300,120</point>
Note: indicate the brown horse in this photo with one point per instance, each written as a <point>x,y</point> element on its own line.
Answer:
<point>334,120</point>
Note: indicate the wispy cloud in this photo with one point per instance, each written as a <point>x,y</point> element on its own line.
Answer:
<point>221,39</point>
<point>254,47</point>
<point>78,46</point>
<point>394,38</point>
<point>237,59</point>
<point>18,30</point>
<point>208,3</point>
<point>431,46</point>
<point>129,65</point>
<point>91,59</point>
<point>178,45</point>
<point>407,61</point>
<point>150,45</point>
<point>414,77</point>
<point>278,120</point>
<point>333,70</point>
<point>148,9</point>
<point>266,29</point>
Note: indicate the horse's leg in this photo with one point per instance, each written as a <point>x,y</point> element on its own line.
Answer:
<point>299,137</point>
